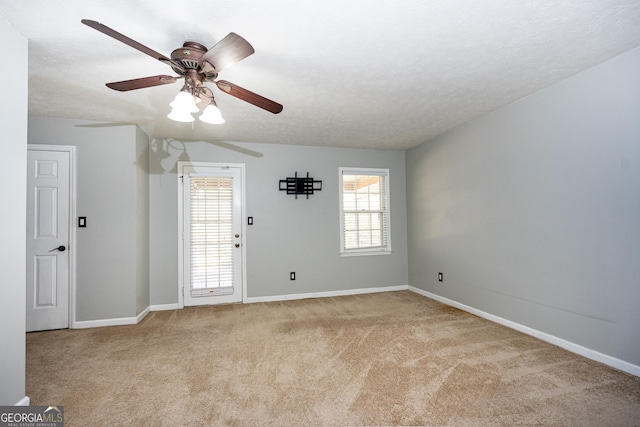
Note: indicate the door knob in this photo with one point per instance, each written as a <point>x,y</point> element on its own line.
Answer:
<point>59,248</point>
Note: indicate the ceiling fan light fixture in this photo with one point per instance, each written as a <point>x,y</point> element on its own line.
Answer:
<point>212,114</point>
<point>179,115</point>
<point>196,65</point>
<point>184,101</point>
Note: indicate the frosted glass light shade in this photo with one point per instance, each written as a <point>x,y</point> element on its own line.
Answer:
<point>184,102</point>
<point>180,115</point>
<point>212,115</point>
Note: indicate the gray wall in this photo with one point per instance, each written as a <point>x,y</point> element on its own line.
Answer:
<point>142,221</point>
<point>13,163</point>
<point>288,235</point>
<point>127,255</point>
<point>533,212</point>
<point>111,193</point>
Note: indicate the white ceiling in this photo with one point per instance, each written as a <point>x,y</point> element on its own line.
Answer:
<point>362,73</point>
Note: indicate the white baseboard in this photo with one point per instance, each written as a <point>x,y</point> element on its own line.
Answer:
<point>135,320</point>
<point>25,401</point>
<point>567,345</point>
<point>141,316</point>
<point>105,322</point>
<point>123,320</point>
<point>174,306</point>
<point>163,307</point>
<point>290,297</point>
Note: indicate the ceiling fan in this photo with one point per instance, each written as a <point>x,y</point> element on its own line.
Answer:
<point>196,65</point>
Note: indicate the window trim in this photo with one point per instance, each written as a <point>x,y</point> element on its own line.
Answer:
<point>384,173</point>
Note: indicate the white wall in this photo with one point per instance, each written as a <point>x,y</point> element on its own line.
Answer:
<point>111,257</point>
<point>533,212</point>
<point>13,163</point>
<point>288,235</point>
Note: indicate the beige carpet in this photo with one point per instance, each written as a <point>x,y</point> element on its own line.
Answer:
<point>394,358</point>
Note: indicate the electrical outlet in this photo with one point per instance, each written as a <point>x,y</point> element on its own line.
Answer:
<point>440,277</point>
<point>292,275</point>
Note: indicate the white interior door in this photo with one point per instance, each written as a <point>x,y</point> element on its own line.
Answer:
<point>48,237</point>
<point>212,233</point>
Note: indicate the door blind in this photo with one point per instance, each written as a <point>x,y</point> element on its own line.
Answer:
<point>211,234</point>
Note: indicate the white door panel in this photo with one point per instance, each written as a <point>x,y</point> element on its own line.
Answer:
<point>48,210</point>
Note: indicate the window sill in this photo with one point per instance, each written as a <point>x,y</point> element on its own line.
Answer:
<point>365,253</point>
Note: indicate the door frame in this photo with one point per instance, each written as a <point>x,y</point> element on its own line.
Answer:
<point>243,225</point>
<point>72,224</point>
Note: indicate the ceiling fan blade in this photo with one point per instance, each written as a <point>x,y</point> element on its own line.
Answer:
<point>227,51</point>
<point>141,83</point>
<point>248,96</point>
<point>134,44</point>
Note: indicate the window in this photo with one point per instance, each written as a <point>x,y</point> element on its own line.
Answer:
<point>364,211</point>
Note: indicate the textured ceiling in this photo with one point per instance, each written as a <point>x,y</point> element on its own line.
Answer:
<point>365,74</point>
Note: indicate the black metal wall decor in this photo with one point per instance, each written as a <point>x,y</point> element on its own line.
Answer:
<point>294,185</point>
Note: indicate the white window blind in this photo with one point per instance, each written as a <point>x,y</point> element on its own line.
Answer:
<point>211,233</point>
<point>365,211</point>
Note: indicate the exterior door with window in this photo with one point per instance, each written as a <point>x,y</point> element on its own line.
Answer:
<point>212,233</point>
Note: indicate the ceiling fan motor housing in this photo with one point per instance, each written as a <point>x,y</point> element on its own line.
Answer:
<point>188,57</point>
